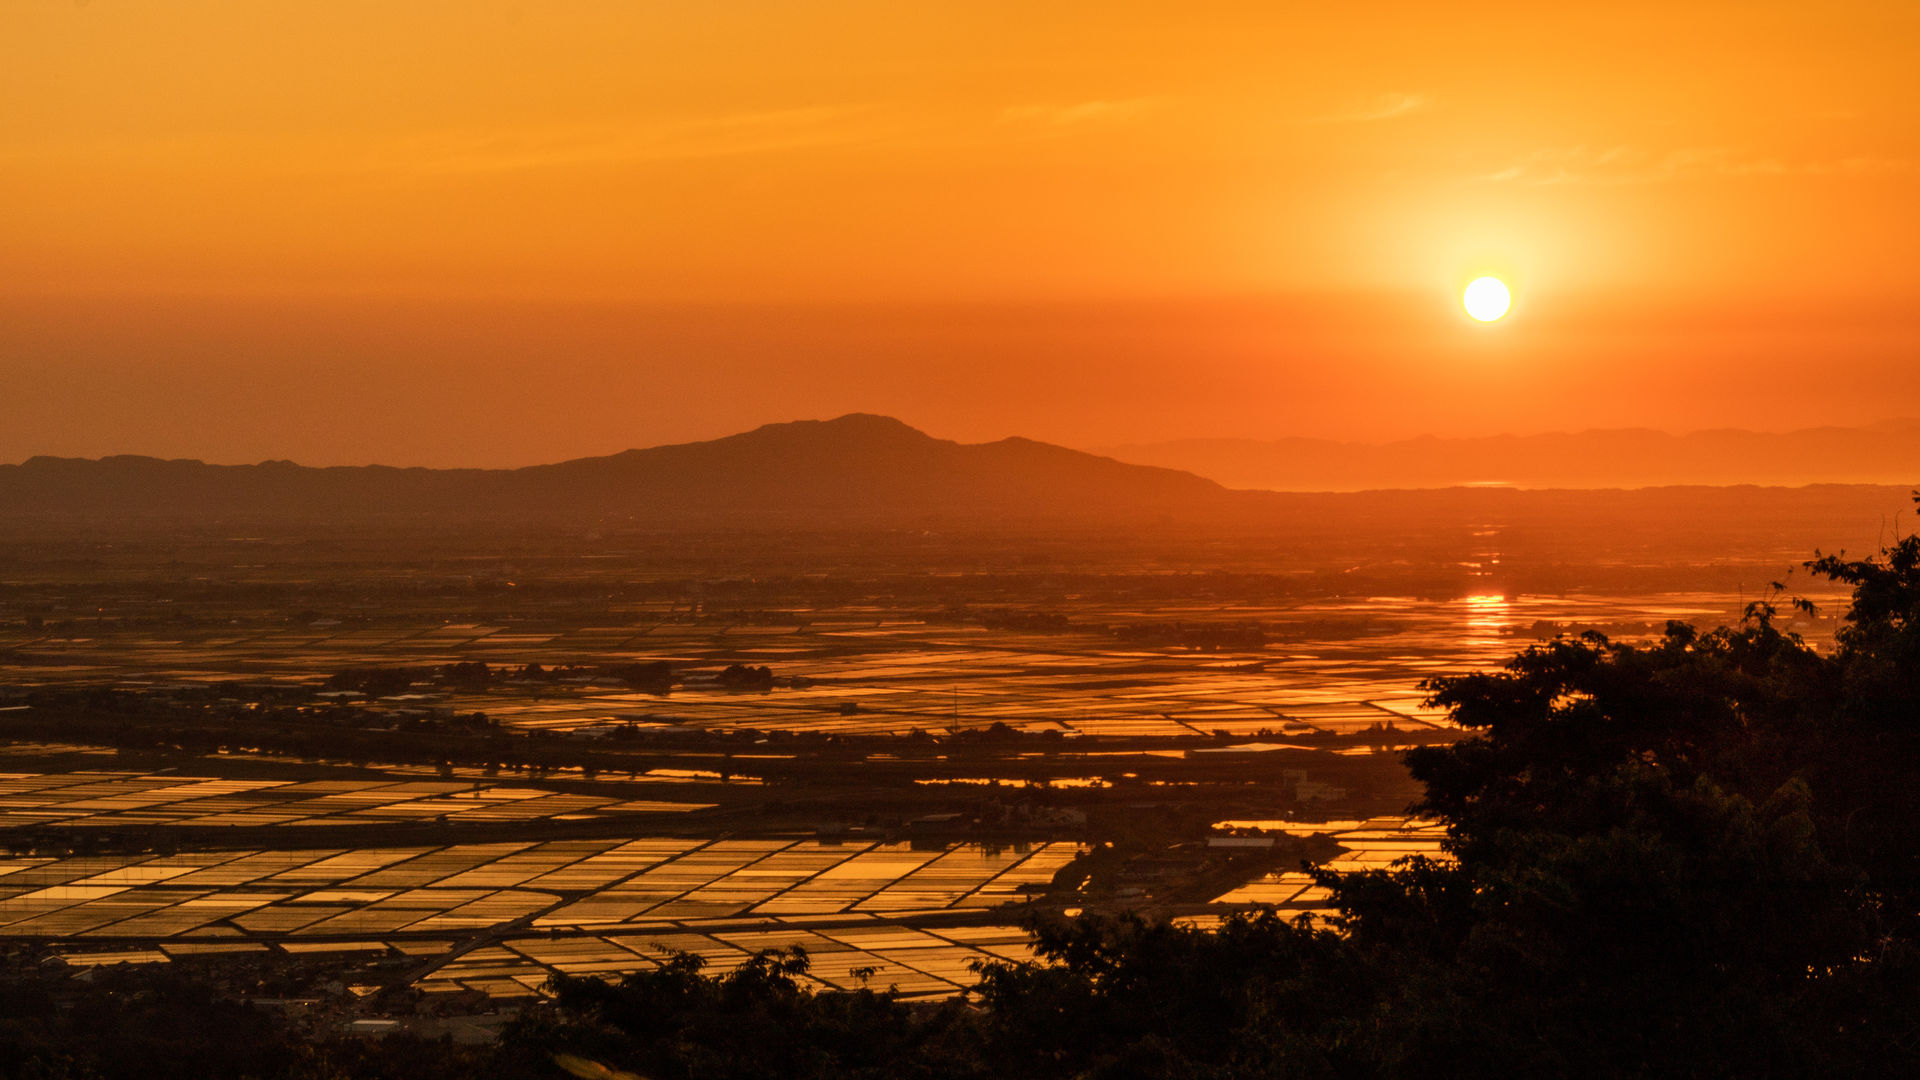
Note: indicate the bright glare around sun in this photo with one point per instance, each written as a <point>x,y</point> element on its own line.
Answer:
<point>1487,298</point>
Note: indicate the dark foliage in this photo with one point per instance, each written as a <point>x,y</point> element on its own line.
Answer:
<point>674,1023</point>
<point>373,682</point>
<point>156,1023</point>
<point>654,676</point>
<point>1694,858</point>
<point>467,675</point>
<point>746,677</point>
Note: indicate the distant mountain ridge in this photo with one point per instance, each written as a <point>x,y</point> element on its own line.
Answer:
<point>858,466</point>
<point>1886,453</point>
<point>863,473</point>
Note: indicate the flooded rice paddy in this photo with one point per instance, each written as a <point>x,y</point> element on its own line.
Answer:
<point>501,918</point>
<point>1374,844</point>
<point>108,799</point>
<point>579,907</point>
<point>560,884</point>
<point>1331,666</point>
<point>453,913</point>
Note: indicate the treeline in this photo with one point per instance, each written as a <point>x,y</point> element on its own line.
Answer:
<point>160,1022</point>
<point>656,676</point>
<point>651,676</point>
<point>1199,637</point>
<point>201,722</point>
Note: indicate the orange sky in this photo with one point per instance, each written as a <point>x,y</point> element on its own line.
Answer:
<point>486,232</point>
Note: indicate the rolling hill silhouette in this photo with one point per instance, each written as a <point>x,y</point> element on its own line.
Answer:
<point>857,467</point>
<point>872,472</point>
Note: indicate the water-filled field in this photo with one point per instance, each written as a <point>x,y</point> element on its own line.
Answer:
<point>594,906</point>
<point>502,917</point>
<point>1324,666</point>
<point>108,799</point>
<point>1140,713</point>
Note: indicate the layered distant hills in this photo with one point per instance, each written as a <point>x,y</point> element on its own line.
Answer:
<point>1887,453</point>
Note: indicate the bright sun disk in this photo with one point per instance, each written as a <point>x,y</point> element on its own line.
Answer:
<point>1487,298</point>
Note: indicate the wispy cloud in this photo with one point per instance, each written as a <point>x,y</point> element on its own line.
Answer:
<point>1861,166</point>
<point>1388,106</point>
<point>1620,165</point>
<point>479,150</point>
<point>1080,113</point>
<point>726,135</point>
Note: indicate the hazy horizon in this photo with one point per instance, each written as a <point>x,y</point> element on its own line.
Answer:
<point>487,235</point>
<point>442,384</point>
<point>1132,452</point>
<point>864,467</point>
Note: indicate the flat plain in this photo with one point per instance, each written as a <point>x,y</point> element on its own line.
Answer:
<point>464,772</point>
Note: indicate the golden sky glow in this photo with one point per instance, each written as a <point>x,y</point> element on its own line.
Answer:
<point>1733,183</point>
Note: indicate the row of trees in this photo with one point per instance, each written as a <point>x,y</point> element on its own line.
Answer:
<point>654,676</point>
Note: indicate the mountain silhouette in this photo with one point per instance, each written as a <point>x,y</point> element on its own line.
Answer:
<point>858,467</point>
<point>873,472</point>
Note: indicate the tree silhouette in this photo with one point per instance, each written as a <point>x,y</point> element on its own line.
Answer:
<point>1698,857</point>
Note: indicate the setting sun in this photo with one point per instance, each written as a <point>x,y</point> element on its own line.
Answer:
<point>1487,298</point>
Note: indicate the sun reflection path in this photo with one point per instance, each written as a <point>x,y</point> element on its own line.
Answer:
<point>1488,617</point>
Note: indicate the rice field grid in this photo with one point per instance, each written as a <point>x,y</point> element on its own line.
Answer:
<point>1374,844</point>
<point>917,963</point>
<point>847,906</point>
<point>1337,666</point>
<point>109,799</point>
<point>556,886</point>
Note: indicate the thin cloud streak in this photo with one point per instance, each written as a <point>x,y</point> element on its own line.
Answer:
<point>1625,165</point>
<point>483,150</point>
<point>1389,106</point>
<point>729,135</point>
<point>1080,113</point>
